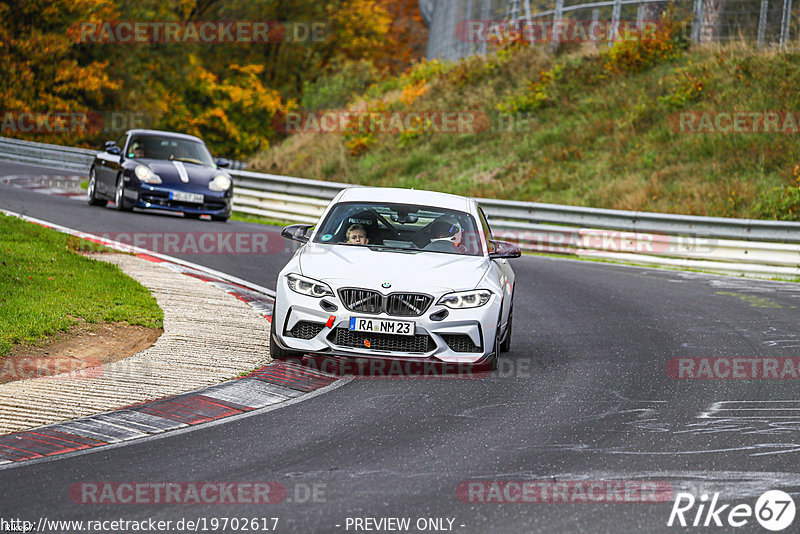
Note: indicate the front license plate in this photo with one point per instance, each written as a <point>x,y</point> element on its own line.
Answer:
<point>381,326</point>
<point>180,196</point>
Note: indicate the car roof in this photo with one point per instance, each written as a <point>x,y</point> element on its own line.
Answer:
<point>406,196</point>
<point>164,134</point>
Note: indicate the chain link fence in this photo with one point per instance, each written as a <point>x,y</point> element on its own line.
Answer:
<point>458,28</point>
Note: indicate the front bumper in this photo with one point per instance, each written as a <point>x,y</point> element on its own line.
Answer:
<point>464,336</point>
<point>157,197</point>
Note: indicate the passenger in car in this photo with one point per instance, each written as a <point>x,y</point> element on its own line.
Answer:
<point>357,235</point>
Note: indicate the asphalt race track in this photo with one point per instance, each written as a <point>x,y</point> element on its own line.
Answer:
<point>584,395</point>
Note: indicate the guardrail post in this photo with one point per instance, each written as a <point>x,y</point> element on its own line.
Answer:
<point>786,19</point>
<point>697,24</point>
<point>467,44</point>
<point>485,10</point>
<point>762,23</point>
<point>639,16</point>
<point>558,13</point>
<point>615,14</point>
<point>526,30</point>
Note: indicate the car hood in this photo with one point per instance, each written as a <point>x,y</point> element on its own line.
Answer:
<point>170,172</point>
<point>358,266</point>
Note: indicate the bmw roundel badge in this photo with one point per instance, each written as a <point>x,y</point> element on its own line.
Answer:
<point>386,285</point>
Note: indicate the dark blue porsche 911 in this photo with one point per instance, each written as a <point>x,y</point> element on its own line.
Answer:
<point>161,170</point>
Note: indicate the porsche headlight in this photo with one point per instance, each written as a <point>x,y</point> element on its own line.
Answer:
<point>144,174</point>
<point>308,286</point>
<point>220,183</point>
<point>466,299</point>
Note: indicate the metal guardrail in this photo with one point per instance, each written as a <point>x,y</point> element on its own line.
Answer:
<point>765,22</point>
<point>57,156</point>
<point>732,246</point>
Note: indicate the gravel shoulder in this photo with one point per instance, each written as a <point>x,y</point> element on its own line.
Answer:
<point>209,336</point>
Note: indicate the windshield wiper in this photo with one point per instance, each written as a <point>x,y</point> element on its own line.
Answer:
<point>190,160</point>
<point>382,248</point>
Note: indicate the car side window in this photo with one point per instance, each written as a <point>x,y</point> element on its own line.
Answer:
<point>487,231</point>
<point>121,141</point>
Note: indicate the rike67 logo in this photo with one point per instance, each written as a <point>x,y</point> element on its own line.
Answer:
<point>774,510</point>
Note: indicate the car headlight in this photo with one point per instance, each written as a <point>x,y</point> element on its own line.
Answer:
<point>220,183</point>
<point>144,174</point>
<point>466,299</point>
<point>308,286</point>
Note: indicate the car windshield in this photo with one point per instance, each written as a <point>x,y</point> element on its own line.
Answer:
<point>169,148</point>
<point>404,227</point>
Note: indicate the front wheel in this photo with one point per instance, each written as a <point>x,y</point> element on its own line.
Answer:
<point>278,353</point>
<point>91,191</point>
<point>505,346</point>
<point>119,195</point>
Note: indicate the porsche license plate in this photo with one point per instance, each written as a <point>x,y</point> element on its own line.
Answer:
<point>180,196</point>
<point>381,326</point>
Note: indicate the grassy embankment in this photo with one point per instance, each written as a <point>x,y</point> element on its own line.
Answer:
<point>599,130</point>
<point>46,287</point>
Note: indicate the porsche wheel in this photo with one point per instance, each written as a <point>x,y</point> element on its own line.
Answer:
<point>91,191</point>
<point>119,195</point>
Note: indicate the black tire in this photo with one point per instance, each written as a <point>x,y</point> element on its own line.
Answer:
<point>278,353</point>
<point>119,195</point>
<point>492,359</point>
<point>495,357</point>
<point>220,218</point>
<point>505,345</point>
<point>91,191</point>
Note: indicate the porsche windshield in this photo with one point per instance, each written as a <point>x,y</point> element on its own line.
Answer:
<point>386,226</point>
<point>169,148</point>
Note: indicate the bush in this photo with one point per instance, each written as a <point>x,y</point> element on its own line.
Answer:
<point>335,90</point>
<point>634,54</point>
<point>782,203</point>
<point>536,95</point>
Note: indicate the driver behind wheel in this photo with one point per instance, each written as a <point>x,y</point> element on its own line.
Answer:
<point>137,150</point>
<point>445,236</point>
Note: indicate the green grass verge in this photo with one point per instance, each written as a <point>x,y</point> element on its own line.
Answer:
<point>248,218</point>
<point>46,287</point>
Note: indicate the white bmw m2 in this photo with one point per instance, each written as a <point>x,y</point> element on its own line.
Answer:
<point>396,273</point>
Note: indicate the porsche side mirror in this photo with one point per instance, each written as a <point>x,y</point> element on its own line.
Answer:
<point>222,163</point>
<point>296,232</point>
<point>504,249</point>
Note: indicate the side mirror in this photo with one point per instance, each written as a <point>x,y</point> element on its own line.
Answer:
<point>296,232</point>
<point>115,150</point>
<point>504,249</point>
<point>222,163</point>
